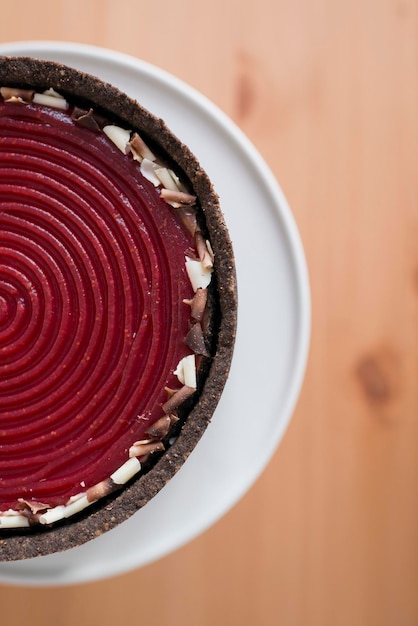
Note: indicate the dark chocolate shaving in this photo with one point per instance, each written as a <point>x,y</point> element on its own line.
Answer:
<point>196,340</point>
<point>178,398</point>
<point>198,304</point>
<point>160,428</point>
<point>85,118</point>
<point>187,214</point>
<point>204,255</point>
<point>32,506</point>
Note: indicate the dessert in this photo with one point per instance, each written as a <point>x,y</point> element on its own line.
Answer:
<point>117,306</point>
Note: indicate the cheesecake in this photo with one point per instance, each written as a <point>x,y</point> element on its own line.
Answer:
<point>118,306</point>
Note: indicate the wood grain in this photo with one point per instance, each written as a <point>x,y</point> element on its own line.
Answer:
<point>328,92</point>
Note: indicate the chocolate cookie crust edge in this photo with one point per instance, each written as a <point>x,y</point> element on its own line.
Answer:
<point>81,87</point>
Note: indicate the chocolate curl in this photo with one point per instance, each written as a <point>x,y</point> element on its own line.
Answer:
<point>178,398</point>
<point>126,471</point>
<point>32,509</point>
<point>144,447</point>
<point>32,506</point>
<point>17,95</point>
<point>160,428</point>
<point>85,118</point>
<point>196,341</point>
<point>179,198</point>
<point>14,521</point>
<point>140,149</point>
<point>205,255</point>
<point>100,490</point>
<point>187,214</point>
<point>198,304</point>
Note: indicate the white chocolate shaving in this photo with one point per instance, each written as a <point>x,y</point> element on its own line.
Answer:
<point>199,276</point>
<point>119,136</point>
<point>177,181</point>
<point>186,371</point>
<point>166,180</point>
<point>13,520</point>
<point>53,515</point>
<point>52,101</point>
<point>210,249</point>
<point>71,508</point>
<point>148,171</point>
<point>52,92</point>
<point>126,471</point>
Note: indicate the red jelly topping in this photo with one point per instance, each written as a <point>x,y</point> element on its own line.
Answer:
<point>92,279</point>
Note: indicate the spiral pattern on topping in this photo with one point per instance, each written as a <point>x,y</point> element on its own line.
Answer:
<point>92,280</point>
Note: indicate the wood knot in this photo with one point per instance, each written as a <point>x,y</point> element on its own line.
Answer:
<point>377,376</point>
<point>245,87</point>
<point>402,9</point>
<point>245,96</point>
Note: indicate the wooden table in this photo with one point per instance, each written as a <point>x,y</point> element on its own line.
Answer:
<point>328,92</point>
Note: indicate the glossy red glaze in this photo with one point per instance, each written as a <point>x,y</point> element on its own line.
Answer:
<point>92,279</point>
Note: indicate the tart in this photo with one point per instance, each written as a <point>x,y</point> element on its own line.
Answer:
<point>117,306</point>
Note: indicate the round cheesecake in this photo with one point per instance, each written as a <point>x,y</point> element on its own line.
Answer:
<point>117,306</point>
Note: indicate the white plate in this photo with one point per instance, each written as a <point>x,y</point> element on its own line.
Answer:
<point>272,340</point>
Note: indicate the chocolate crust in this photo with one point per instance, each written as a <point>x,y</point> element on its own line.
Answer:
<point>108,513</point>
